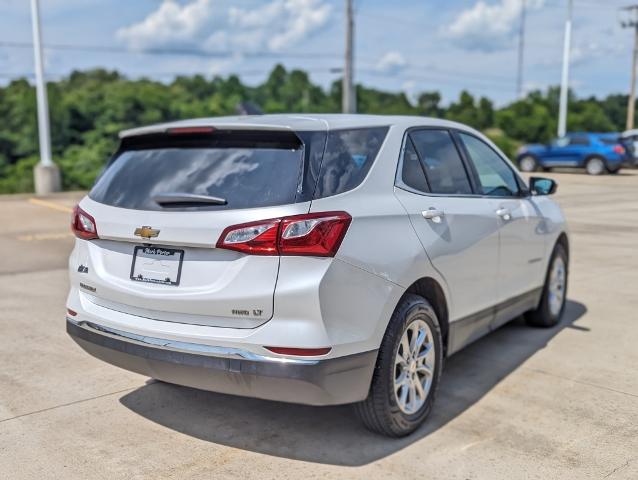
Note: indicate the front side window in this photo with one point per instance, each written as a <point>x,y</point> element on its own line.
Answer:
<point>578,140</point>
<point>496,178</point>
<point>444,168</point>
<point>347,160</point>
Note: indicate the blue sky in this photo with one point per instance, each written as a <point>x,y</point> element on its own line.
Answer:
<point>410,45</point>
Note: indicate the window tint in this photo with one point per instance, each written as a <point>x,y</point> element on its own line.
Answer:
<point>496,178</point>
<point>246,174</point>
<point>443,166</point>
<point>412,173</point>
<point>610,140</point>
<point>578,140</point>
<point>348,157</point>
<point>314,145</point>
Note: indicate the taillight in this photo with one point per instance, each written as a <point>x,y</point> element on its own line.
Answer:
<point>83,225</point>
<point>255,238</point>
<point>619,149</point>
<point>313,234</point>
<point>316,234</point>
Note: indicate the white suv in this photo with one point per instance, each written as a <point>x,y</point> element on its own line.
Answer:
<point>323,259</point>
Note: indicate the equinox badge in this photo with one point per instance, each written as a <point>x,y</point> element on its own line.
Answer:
<point>146,232</point>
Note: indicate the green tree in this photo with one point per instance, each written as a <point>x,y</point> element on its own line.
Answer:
<point>89,108</point>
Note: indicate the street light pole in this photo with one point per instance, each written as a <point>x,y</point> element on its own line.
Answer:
<point>349,94</point>
<point>632,23</point>
<point>46,173</point>
<point>521,52</point>
<point>564,85</point>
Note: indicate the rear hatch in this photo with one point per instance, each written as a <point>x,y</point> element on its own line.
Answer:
<point>160,208</point>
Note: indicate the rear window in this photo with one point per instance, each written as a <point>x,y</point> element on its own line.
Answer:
<point>247,171</point>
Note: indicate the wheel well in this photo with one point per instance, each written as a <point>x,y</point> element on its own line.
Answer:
<point>595,155</point>
<point>523,155</point>
<point>430,289</point>
<point>564,242</point>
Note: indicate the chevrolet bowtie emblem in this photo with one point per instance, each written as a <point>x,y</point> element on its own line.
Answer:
<point>146,232</point>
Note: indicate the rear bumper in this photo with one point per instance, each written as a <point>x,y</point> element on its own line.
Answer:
<point>233,371</point>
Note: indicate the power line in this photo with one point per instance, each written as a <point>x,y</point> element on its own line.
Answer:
<point>438,80</point>
<point>169,51</point>
<point>160,74</point>
<point>226,54</point>
<point>582,4</point>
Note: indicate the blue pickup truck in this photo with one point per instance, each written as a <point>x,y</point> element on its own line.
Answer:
<point>597,153</point>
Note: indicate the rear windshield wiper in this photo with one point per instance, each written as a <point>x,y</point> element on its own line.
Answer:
<point>187,199</point>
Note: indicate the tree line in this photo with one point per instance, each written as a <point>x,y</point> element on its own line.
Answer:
<point>88,109</point>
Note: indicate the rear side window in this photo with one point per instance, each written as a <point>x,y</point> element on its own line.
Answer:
<point>347,160</point>
<point>444,168</point>
<point>245,172</point>
<point>610,140</point>
<point>413,174</point>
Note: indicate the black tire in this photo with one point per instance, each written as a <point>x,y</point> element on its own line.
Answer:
<point>380,412</point>
<point>543,316</point>
<point>613,171</point>
<point>601,165</point>
<point>528,164</point>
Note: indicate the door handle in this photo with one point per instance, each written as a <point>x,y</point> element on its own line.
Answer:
<point>504,213</point>
<point>433,214</point>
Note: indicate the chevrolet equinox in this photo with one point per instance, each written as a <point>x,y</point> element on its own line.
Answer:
<point>315,259</point>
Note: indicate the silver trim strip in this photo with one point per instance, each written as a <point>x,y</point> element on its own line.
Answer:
<point>187,347</point>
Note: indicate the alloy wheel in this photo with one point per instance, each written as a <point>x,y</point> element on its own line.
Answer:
<point>556,291</point>
<point>527,164</point>
<point>595,166</point>
<point>414,367</point>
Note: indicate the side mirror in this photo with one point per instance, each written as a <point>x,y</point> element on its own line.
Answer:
<point>542,186</point>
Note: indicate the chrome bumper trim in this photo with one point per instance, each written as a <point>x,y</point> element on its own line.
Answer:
<point>186,347</point>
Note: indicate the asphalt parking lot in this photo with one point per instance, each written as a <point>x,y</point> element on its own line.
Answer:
<point>520,403</point>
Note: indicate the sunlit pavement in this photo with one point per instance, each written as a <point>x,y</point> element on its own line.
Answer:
<point>520,403</point>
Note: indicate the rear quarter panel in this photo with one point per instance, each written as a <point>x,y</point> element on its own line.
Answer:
<point>380,241</point>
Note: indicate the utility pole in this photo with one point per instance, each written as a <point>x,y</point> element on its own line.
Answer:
<point>521,51</point>
<point>46,173</point>
<point>564,84</point>
<point>632,22</point>
<point>349,94</point>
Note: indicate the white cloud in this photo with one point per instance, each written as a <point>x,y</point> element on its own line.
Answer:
<point>391,62</point>
<point>171,23</point>
<point>275,26</point>
<point>488,27</point>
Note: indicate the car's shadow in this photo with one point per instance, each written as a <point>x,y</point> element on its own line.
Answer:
<point>332,435</point>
